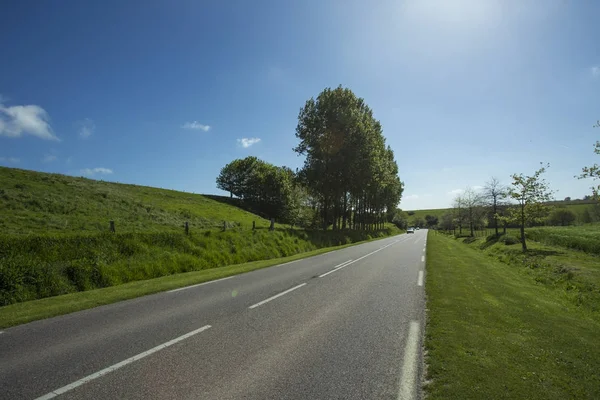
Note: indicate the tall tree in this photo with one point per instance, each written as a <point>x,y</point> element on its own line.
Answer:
<point>347,167</point>
<point>472,202</point>
<point>494,193</point>
<point>459,212</point>
<point>530,193</point>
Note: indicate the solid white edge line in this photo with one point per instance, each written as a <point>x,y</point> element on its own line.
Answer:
<point>358,259</point>
<point>407,390</point>
<point>116,366</point>
<point>420,279</point>
<point>276,296</point>
<point>422,258</point>
<point>198,284</point>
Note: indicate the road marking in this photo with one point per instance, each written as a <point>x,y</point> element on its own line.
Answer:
<point>408,378</point>
<point>423,250</point>
<point>198,284</point>
<point>276,296</point>
<point>288,263</point>
<point>422,258</point>
<point>123,363</point>
<point>358,259</point>
<point>339,266</point>
<point>420,279</point>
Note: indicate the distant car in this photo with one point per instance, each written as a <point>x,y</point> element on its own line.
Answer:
<point>418,228</point>
<point>410,230</point>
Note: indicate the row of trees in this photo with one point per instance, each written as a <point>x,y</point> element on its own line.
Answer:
<point>348,169</point>
<point>349,178</point>
<point>523,203</point>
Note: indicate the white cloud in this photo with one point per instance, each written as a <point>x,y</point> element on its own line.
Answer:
<point>49,158</point>
<point>86,128</point>
<point>247,142</point>
<point>595,70</point>
<point>455,192</point>
<point>411,197</point>
<point>12,160</point>
<point>30,119</point>
<point>94,171</point>
<point>196,126</point>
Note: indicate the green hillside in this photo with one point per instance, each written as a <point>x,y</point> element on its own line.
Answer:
<point>55,238</point>
<point>34,202</point>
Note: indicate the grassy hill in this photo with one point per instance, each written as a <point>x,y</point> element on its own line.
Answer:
<point>55,239</point>
<point>34,202</point>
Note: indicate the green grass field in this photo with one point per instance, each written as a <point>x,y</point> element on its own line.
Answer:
<point>504,325</point>
<point>584,237</point>
<point>34,202</point>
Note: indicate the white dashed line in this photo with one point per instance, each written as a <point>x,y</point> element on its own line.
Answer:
<point>199,284</point>
<point>123,363</point>
<point>420,279</point>
<point>276,296</point>
<point>422,258</point>
<point>358,259</point>
<point>408,378</point>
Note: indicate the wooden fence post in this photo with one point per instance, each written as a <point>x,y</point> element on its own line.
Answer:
<point>112,226</point>
<point>253,225</point>
<point>187,228</point>
<point>272,227</point>
<point>224,225</point>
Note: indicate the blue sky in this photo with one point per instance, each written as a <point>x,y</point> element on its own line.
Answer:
<point>164,93</point>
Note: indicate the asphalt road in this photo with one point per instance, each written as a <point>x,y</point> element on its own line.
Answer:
<point>303,330</point>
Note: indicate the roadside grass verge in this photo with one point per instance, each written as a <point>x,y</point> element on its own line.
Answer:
<point>493,332</point>
<point>24,312</point>
<point>38,266</point>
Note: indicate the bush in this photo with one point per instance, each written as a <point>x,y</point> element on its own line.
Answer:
<point>509,240</point>
<point>561,217</point>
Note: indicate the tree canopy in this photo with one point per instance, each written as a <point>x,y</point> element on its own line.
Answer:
<point>348,167</point>
<point>530,193</point>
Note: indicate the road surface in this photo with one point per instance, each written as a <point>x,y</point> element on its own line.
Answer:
<point>341,325</point>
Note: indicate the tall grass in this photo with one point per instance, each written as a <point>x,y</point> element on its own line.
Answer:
<point>38,266</point>
<point>585,238</point>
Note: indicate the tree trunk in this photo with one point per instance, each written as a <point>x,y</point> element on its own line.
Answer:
<point>345,210</point>
<point>325,214</point>
<point>495,210</point>
<point>523,244</point>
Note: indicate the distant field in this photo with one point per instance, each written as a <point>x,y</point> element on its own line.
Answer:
<point>503,325</point>
<point>584,237</point>
<point>576,207</point>
<point>34,202</point>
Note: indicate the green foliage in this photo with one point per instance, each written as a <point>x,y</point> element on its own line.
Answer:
<point>593,171</point>
<point>400,219</point>
<point>431,221</point>
<point>266,189</point>
<point>348,169</point>
<point>531,193</point>
<point>561,216</point>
